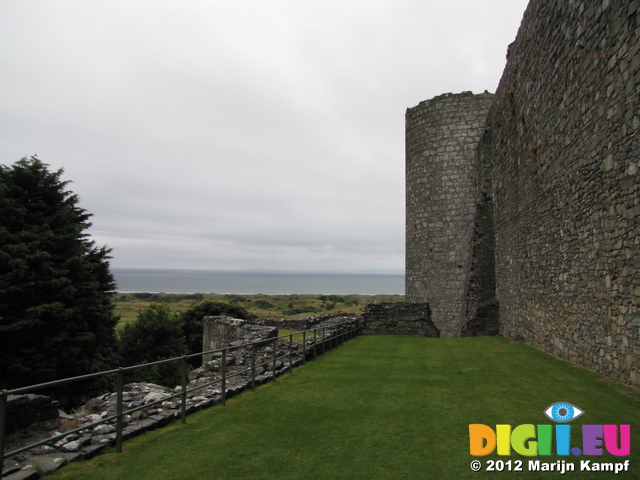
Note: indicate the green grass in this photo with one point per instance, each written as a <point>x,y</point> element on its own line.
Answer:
<point>127,305</point>
<point>295,335</point>
<point>378,407</point>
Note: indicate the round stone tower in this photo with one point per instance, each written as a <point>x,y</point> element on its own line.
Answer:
<point>443,178</point>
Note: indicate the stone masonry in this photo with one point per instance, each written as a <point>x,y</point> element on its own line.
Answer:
<point>220,331</point>
<point>398,318</point>
<point>442,139</point>
<point>566,157</point>
<point>539,218</point>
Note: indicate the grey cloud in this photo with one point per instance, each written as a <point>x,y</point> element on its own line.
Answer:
<point>239,134</point>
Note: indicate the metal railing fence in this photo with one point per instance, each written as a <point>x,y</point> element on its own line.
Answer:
<point>338,334</point>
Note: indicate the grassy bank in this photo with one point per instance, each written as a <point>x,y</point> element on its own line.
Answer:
<point>379,407</point>
<point>127,305</point>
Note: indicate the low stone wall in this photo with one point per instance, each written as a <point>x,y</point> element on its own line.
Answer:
<point>220,332</point>
<point>25,410</point>
<point>398,319</point>
<point>304,323</point>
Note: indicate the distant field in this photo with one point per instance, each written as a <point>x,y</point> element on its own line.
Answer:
<point>127,305</point>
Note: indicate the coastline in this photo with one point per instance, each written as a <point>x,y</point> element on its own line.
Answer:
<point>133,280</point>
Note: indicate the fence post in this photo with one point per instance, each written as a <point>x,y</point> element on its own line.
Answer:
<point>253,366</point>
<point>3,425</point>
<point>223,369</point>
<point>120,387</point>
<point>275,356</point>
<point>290,352</point>
<point>315,342</point>
<point>304,347</point>
<point>183,397</point>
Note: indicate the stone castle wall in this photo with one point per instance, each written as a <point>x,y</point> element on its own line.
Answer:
<point>543,221</point>
<point>566,154</point>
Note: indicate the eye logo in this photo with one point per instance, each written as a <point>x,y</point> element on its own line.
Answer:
<point>562,412</point>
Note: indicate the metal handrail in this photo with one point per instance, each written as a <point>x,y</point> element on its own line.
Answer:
<point>334,340</point>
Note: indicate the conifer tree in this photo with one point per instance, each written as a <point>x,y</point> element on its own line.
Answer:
<point>56,315</point>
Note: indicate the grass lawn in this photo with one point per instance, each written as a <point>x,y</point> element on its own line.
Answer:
<point>379,407</point>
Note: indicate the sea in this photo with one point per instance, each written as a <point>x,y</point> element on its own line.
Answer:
<point>130,280</point>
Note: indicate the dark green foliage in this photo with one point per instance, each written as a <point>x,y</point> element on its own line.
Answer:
<point>193,296</point>
<point>264,304</point>
<point>143,296</point>
<point>192,321</point>
<point>332,298</point>
<point>56,315</point>
<point>298,311</point>
<point>165,297</point>
<point>235,298</point>
<point>155,335</point>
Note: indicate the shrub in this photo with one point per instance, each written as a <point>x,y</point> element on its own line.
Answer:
<point>143,296</point>
<point>265,305</point>
<point>156,334</point>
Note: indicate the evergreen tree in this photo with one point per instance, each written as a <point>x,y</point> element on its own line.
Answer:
<point>56,315</point>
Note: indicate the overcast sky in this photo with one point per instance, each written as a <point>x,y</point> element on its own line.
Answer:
<point>239,134</point>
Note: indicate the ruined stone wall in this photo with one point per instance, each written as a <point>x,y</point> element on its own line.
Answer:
<point>303,323</point>
<point>566,154</point>
<point>443,183</point>
<point>219,332</point>
<point>398,318</point>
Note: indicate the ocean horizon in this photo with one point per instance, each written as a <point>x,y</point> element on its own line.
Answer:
<point>149,280</point>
